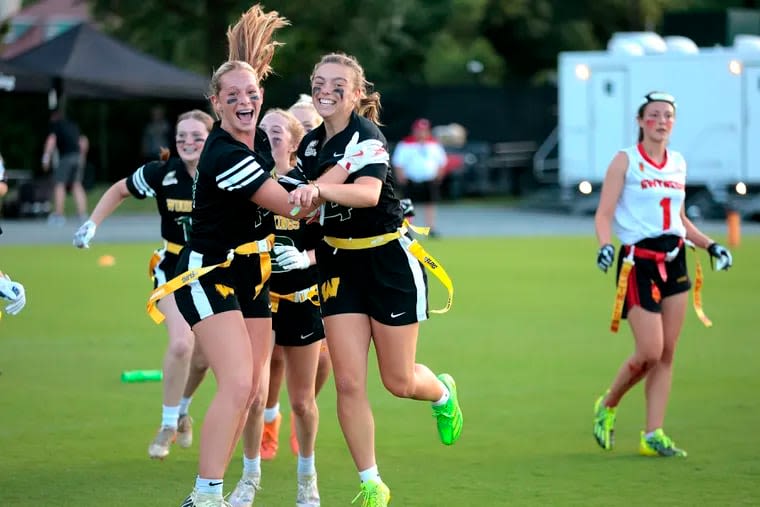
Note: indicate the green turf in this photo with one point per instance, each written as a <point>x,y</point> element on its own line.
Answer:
<point>527,341</point>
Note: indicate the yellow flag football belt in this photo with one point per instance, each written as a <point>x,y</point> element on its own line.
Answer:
<point>311,295</point>
<point>625,272</point>
<point>414,248</point>
<point>261,247</point>
<point>172,248</point>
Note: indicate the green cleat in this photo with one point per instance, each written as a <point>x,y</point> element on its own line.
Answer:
<point>449,415</point>
<point>659,444</point>
<point>373,494</point>
<point>604,424</point>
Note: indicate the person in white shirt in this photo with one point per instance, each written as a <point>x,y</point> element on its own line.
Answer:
<point>642,198</point>
<point>418,161</point>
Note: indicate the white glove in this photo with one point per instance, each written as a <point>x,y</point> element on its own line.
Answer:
<point>290,258</point>
<point>358,155</point>
<point>84,234</point>
<point>13,292</point>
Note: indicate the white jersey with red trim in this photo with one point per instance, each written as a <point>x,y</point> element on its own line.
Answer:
<point>652,197</point>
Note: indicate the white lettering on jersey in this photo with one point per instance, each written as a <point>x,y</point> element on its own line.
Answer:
<point>652,197</point>
<point>311,149</point>
<point>170,179</point>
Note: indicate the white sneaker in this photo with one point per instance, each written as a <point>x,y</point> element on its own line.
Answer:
<point>196,499</point>
<point>245,491</point>
<point>185,431</point>
<point>308,494</point>
<point>159,447</point>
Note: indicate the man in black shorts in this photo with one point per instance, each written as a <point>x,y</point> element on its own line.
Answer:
<point>64,136</point>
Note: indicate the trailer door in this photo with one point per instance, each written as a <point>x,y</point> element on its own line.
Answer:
<point>751,168</point>
<point>609,117</point>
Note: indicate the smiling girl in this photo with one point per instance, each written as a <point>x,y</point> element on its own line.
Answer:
<point>373,289</point>
<point>170,182</point>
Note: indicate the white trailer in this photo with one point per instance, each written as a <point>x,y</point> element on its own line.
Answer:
<point>717,128</point>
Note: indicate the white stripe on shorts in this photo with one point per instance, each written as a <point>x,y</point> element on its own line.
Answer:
<point>159,273</point>
<point>198,295</point>
<point>419,282</point>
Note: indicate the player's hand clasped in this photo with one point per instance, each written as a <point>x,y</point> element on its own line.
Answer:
<point>84,234</point>
<point>721,255</point>
<point>605,257</point>
<point>290,258</point>
<point>14,293</point>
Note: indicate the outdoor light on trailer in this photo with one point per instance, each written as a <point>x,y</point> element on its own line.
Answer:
<point>582,72</point>
<point>735,67</point>
<point>741,188</point>
<point>585,187</point>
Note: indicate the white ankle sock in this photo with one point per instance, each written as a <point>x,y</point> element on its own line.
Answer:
<point>370,474</point>
<point>169,416</point>
<point>184,405</point>
<point>251,466</point>
<point>209,486</point>
<point>444,397</point>
<point>270,414</point>
<point>306,465</point>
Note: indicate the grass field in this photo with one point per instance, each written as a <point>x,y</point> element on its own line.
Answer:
<point>527,341</point>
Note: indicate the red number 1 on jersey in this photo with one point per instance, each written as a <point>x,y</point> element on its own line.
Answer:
<point>665,205</point>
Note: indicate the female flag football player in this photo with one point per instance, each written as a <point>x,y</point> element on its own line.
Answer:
<point>372,288</point>
<point>642,198</point>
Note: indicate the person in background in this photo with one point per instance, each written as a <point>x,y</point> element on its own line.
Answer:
<point>307,115</point>
<point>642,198</point>
<point>156,134</point>
<point>419,160</point>
<point>3,182</point>
<point>64,136</point>
<point>170,181</point>
<point>303,109</point>
<point>296,323</point>
<point>373,289</point>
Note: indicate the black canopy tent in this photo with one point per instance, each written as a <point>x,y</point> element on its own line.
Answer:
<point>90,63</point>
<point>86,63</point>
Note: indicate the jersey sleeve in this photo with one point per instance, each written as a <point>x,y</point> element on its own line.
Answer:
<point>241,172</point>
<point>146,180</point>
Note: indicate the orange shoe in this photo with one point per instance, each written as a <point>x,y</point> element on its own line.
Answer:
<point>293,435</point>
<point>270,439</point>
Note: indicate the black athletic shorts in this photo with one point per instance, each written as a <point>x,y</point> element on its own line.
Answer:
<point>423,191</point>
<point>297,324</point>
<point>387,283</point>
<point>166,268</point>
<point>646,288</point>
<point>223,289</point>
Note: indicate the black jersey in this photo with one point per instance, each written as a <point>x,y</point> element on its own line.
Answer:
<point>295,233</point>
<point>315,156</point>
<point>224,216</point>
<point>172,186</point>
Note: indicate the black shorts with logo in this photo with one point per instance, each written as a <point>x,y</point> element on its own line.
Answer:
<point>387,283</point>
<point>297,324</point>
<point>223,289</point>
<point>646,288</point>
